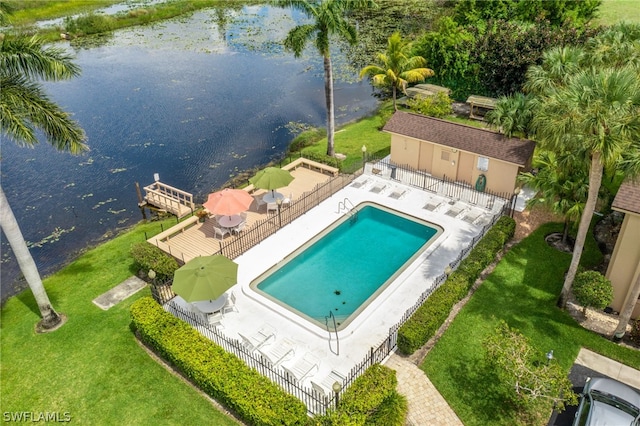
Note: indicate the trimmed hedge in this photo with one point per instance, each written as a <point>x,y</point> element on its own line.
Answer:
<point>147,256</point>
<point>371,399</point>
<point>424,323</point>
<point>222,375</point>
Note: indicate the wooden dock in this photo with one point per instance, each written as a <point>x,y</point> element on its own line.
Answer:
<point>160,196</point>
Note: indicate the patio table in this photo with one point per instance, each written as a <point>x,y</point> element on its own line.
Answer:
<point>211,306</point>
<point>272,197</point>
<point>230,221</point>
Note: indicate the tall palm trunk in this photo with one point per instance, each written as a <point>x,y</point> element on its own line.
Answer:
<point>627,310</point>
<point>9,225</point>
<point>328,93</point>
<point>395,107</point>
<point>595,179</point>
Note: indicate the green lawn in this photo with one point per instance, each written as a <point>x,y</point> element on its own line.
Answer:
<point>92,367</point>
<point>612,11</point>
<point>522,290</point>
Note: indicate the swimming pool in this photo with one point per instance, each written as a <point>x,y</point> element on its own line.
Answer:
<point>346,266</point>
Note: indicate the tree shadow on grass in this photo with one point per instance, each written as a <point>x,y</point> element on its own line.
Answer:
<point>480,390</point>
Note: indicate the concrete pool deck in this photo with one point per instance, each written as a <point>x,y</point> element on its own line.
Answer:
<point>372,326</point>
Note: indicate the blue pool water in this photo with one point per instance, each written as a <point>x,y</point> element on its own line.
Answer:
<point>346,266</point>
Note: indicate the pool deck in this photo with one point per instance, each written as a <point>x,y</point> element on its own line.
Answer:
<point>372,326</point>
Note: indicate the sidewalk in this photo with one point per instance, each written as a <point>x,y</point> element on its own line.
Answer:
<point>426,405</point>
<point>609,367</point>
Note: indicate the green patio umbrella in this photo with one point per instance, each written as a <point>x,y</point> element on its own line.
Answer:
<point>205,278</point>
<point>271,178</point>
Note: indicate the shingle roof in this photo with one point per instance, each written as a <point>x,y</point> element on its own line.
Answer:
<point>458,136</point>
<point>628,197</point>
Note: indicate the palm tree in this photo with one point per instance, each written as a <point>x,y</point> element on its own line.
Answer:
<point>562,183</point>
<point>329,18</point>
<point>396,67</point>
<point>596,109</point>
<point>512,114</point>
<point>24,107</point>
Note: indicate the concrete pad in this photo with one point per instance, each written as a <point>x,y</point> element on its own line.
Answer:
<point>609,367</point>
<point>130,286</point>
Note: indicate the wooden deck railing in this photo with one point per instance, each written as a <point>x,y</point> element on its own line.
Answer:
<point>173,200</point>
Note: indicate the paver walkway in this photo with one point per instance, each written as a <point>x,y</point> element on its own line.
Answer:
<point>426,405</point>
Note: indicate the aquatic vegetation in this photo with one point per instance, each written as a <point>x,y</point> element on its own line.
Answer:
<point>51,238</point>
<point>102,203</point>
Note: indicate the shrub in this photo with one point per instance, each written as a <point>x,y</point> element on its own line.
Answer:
<point>592,289</point>
<point>424,323</point>
<point>371,399</point>
<point>438,106</point>
<point>88,24</point>
<point>218,373</point>
<point>307,138</point>
<point>147,256</point>
<point>322,158</point>
<point>392,411</point>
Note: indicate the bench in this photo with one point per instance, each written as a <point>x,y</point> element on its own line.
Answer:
<point>312,165</point>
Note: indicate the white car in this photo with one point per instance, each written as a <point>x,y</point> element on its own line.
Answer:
<point>607,402</point>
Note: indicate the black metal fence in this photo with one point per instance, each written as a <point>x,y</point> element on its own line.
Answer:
<point>318,403</point>
<point>285,215</point>
<point>443,186</point>
<point>385,348</point>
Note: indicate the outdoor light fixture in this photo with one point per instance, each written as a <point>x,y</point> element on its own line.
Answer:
<point>549,356</point>
<point>364,155</point>
<point>337,387</point>
<point>515,201</point>
<point>447,270</point>
<point>152,274</point>
<point>156,177</point>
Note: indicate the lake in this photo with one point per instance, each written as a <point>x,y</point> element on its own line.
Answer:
<point>197,99</point>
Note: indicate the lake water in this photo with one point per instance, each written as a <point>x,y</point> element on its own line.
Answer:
<point>192,99</point>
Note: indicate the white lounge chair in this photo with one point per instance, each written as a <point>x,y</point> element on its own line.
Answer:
<point>326,386</point>
<point>434,204</point>
<point>471,215</point>
<point>259,338</point>
<point>378,188</point>
<point>278,352</point>
<point>398,193</point>
<point>360,183</point>
<point>302,368</point>
<point>456,210</point>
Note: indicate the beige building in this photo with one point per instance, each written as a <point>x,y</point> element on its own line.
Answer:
<point>624,266</point>
<point>458,152</point>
